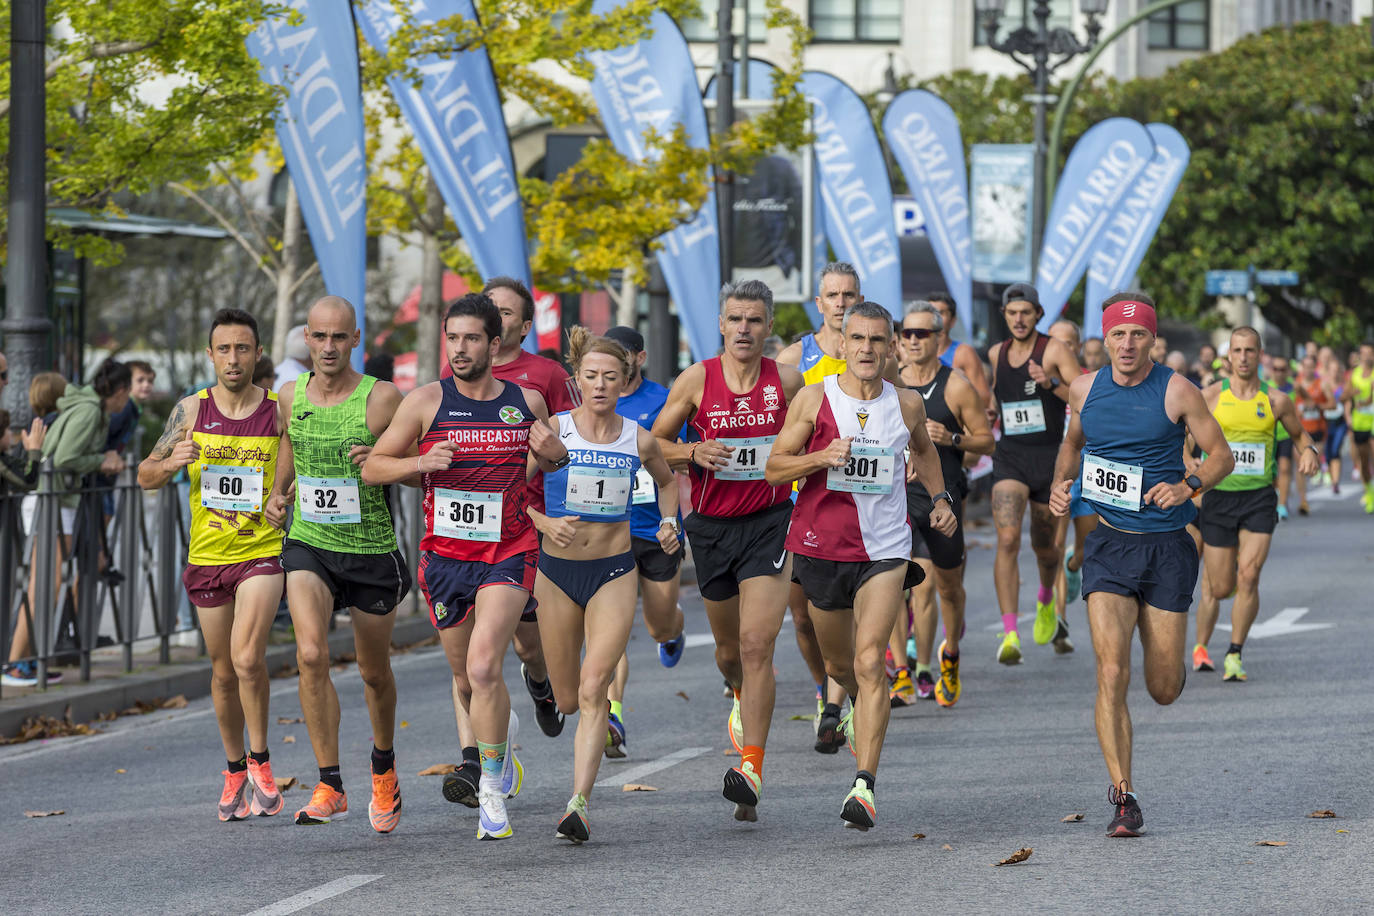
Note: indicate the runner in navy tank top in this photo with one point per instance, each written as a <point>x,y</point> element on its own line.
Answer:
<point>846,439</point>
<point>467,439</point>
<point>1140,564</point>
<point>736,403</point>
<point>1029,384</point>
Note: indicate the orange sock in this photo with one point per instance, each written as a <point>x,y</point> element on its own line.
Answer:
<point>753,754</point>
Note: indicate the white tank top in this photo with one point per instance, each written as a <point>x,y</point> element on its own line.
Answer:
<point>596,485</point>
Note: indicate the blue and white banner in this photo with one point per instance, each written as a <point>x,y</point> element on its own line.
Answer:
<point>320,128</point>
<point>455,114</point>
<point>1100,170</point>
<point>1000,175</point>
<point>653,83</point>
<point>923,133</point>
<point>856,194</point>
<point>1123,243</point>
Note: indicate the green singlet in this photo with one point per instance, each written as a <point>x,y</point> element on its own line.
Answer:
<point>335,510</point>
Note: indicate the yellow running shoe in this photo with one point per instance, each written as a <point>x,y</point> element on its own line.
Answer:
<point>736,727</point>
<point>326,804</point>
<point>1044,622</point>
<point>384,811</point>
<point>1009,653</point>
<point>903,692</point>
<point>1232,671</point>
<point>948,687</point>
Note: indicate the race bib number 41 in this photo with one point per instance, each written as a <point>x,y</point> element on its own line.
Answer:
<point>748,458</point>
<point>227,488</point>
<point>328,500</point>
<point>467,516</point>
<point>868,470</point>
<point>1020,418</point>
<point>1111,483</point>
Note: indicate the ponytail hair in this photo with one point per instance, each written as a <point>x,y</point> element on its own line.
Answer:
<point>582,342</point>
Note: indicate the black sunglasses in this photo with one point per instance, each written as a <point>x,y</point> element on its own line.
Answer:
<point>917,333</point>
<point>4,375</point>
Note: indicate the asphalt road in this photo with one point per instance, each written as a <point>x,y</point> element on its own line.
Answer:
<point>1225,767</point>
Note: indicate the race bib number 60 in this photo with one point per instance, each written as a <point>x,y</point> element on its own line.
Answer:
<point>1112,483</point>
<point>467,516</point>
<point>228,488</point>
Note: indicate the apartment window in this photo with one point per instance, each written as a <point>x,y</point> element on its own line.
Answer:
<point>1022,13</point>
<point>703,27</point>
<point>856,20</point>
<point>1180,28</point>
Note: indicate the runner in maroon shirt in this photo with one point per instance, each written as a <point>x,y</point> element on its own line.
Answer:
<point>736,403</point>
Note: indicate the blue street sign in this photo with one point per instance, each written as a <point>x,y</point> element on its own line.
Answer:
<point>1228,282</point>
<point>1276,277</point>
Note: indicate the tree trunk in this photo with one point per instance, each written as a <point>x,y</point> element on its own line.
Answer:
<point>626,303</point>
<point>429,330</point>
<point>286,275</point>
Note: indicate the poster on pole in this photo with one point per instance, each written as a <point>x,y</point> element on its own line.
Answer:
<point>1001,179</point>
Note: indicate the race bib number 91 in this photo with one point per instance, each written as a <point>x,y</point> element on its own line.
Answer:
<point>1020,418</point>
<point>1111,483</point>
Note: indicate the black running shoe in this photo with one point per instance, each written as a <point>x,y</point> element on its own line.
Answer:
<point>545,709</point>
<point>829,736</point>
<point>1128,821</point>
<point>461,787</point>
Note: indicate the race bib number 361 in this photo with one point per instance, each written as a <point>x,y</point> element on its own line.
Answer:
<point>227,488</point>
<point>467,516</point>
<point>748,458</point>
<point>1112,483</point>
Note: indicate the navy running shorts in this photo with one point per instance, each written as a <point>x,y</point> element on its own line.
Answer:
<point>450,586</point>
<point>1157,567</point>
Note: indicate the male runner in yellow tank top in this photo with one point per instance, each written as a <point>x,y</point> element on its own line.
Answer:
<point>226,437</point>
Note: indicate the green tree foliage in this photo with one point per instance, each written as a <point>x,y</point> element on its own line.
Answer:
<point>141,93</point>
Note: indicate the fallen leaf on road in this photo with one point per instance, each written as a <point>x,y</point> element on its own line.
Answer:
<point>515,747</point>
<point>439,769</point>
<point>1324,813</point>
<point>810,718</point>
<point>683,695</point>
<point>284,784</point>
<point>405,724</point>
<point>947,846</point>
<point>1272,843</point>
<point>176,702</point>
<point>139,708</point>
<point>1071,818</point>
<point>1020,855</point>
<point>43,813</point>
<point>36,727</point>
<point>730,752</point>
<point>918,836</point>
<point>289,720</point>
<point>121,771</point>
<point>638,787</point>
<point>289,739</point>
<point>1342,831</point>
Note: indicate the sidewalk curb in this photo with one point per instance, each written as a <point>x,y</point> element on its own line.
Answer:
<point>87,702</point>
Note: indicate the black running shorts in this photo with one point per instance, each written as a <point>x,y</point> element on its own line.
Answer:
<point>831,585</point>
<point>374,583</point>
<point>926,542</point>
<point>1225,512</point>
<point>729,550</point>
<point>1027,464</point>
<point>654,564</point>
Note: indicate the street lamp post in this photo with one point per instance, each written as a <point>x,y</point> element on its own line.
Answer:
<point>1040,51</point>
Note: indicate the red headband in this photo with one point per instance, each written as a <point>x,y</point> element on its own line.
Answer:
<point>1128,312</point>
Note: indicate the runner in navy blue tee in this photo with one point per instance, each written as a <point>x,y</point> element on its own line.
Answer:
<point>1140,563</point>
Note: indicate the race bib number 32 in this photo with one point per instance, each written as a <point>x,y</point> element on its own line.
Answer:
<point>1111,483</point>
<point>868,470</point>
<point>748,458</point>
<point>227,488</point>
<point>328,500</point>
<point>467,516</point>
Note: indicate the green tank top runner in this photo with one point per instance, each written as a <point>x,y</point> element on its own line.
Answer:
<point>334,509</point>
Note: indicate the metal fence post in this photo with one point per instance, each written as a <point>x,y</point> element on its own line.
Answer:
<point>167,532</point>
<point>44,543</point>
<point>11,558</point>
<point>129,509</point>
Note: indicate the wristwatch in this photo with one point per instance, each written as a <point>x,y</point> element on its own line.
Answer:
<point>943,494</point>
<point>1195,482</point>
<point>957,438</point>
<point>563,462</point>
<point>671,523</point>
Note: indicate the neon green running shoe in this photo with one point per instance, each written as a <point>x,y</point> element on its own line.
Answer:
<point>847,729</point>
<point>1044,622</point>
<point>1009,653</point>
<point>1231,669</point>
<point>575,826</point>
<point>859,810</point>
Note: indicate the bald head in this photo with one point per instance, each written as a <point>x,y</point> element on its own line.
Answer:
<point>331,307</point>
<point>1066,332</point>
<point>331,333</point>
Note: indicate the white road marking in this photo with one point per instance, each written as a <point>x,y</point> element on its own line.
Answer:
<point>315,895</point>
<point>700,639</point>
<point>1284,623</point>
<point>653,766</point>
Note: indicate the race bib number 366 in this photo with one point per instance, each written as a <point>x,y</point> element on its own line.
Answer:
<point>227,488</point>
<point>1112,483</point>
<point>467,516</point>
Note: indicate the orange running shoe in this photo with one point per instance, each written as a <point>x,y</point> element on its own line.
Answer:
<point>267,800</point>
<point>385,808</point>
<point>326,804</point>
<point>233,801</point>
<point>1201,660</point>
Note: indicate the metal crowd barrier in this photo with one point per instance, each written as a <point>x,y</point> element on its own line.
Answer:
<point>143,545</point>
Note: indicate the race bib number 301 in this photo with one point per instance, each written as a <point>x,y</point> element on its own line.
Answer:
<point>748,458</point>
<point>227,488</point>
<point>1252,458</point>
<point>868,470</point>
<point>1111,483</point>
<point>328,500</point>
<point>598,491</point>
<point>644,490</point>
<point>1021,418</point>
<point>467,516</point>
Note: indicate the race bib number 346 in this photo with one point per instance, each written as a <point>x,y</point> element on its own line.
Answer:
<point>228,488</point>
<point>1252,458</point>
<point>1112,483</point>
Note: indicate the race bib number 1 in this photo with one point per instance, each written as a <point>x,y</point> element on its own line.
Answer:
<point>868,470</point>
<point>227,488</point>
<point>1020,418</point>
<point>1111,483</point>
<point>643,490</point>
<point>748,458</point>
<point>598,491</point>
<point>467,516</point>
<point>1252,458</point>
<point>328,500</point>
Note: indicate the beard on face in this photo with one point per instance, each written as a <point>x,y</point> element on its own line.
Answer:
<point>478,367</point>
